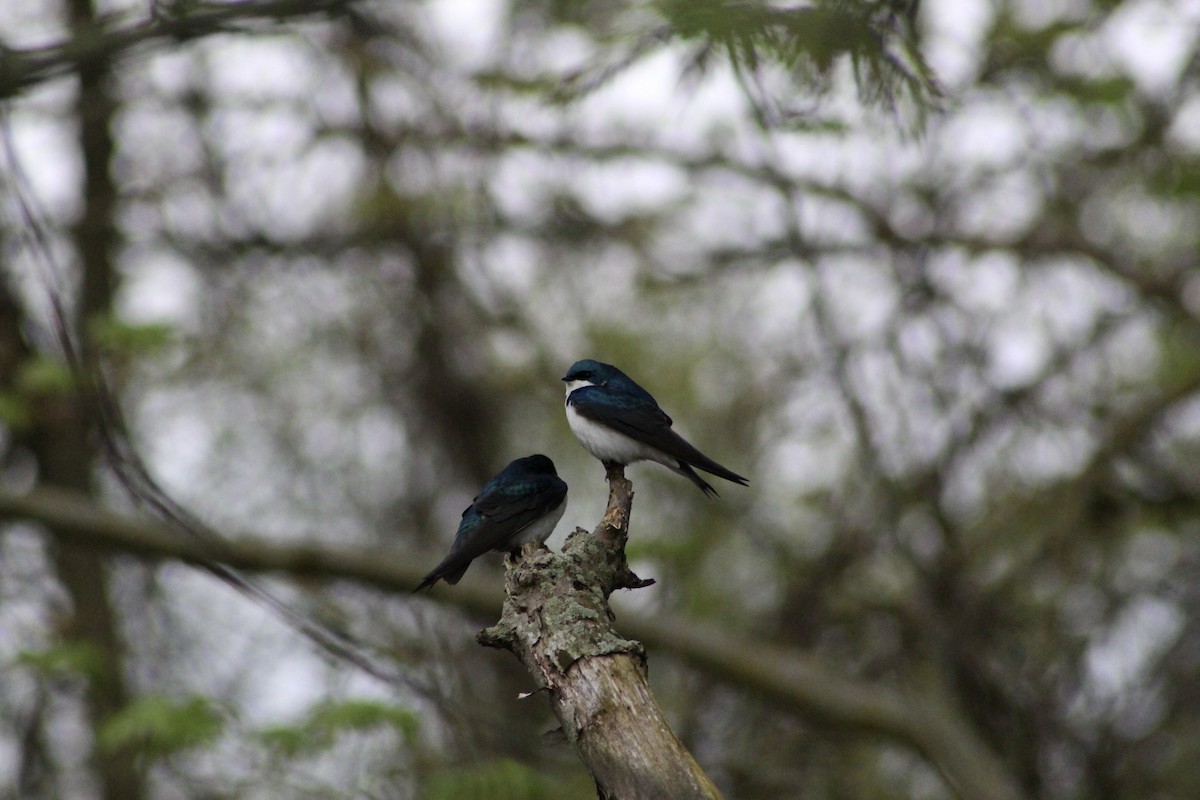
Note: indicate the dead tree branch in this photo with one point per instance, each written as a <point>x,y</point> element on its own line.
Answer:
<point>557,621</point>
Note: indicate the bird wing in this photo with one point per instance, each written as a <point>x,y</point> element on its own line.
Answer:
<point>635,415</point>
<point>504,511</point>
<point>640,418</point>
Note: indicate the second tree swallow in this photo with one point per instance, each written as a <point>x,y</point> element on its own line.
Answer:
<point>521,504</point>
<point>619,422</point>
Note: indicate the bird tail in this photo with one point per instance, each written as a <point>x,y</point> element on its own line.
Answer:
<point>708,465</point>
<point>450,573</point>
<point>688,456</point>
<point>686,471</point>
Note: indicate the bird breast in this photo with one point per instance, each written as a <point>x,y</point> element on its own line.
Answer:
<point>606,444</point>
<point>541,529</point>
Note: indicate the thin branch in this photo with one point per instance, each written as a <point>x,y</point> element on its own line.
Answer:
<point>21,69</point>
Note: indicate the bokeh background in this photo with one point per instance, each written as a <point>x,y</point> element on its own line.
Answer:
<point>926,274</point>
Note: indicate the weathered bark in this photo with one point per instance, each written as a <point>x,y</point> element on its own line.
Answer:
<point>557,621</point>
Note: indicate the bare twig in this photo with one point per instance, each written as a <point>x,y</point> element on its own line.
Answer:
<point>21,69</point>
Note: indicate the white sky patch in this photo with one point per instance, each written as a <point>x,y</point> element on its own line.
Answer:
<point>233,630</point>
<point>160,288</point>
<point>733,212</point>
<point>1153,40</point>
<point>309,182</point>
<point>1002,209</point>
<point>833,221</point>
<point>782,297</point>
<point>187,210</point>
<point>292,683</point>
<point>469,29</point>
<point>954,42</point>
<point>987,134</point>
<point>819,158</point>
<point>642,97</point>
<point>510,183</point>
<point>261,68</point>
<point>564,51</point>
<point>49,155</point>
<point>170,71</point>
<point>1055,126</point>
<point>509,264</point>
<point>1018,355</point>
<point>179,451</point>
<point>1152,555</point>
<point>140,129</point>
<point>862,161</point>
<point>862,299</point>
<point>651,97</point>
<point>630,186</point>
<point>1067,298</point>
<point>1120,660</point>
<point>1185,129</point>
<point>25,24</point>
<point>1085,54</point>
<point>1147,220</point>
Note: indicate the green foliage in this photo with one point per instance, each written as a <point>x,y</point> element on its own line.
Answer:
<point>325,722</point>
<point>750,32</point>
<point>14,411</point>
<point>68,659</point>
<point>808,40</point>
<point>38,378</point>
<point>502,779</point>
<point>805,41</point>
<point>1017,46</point>
<point>159,726</point>
<point>1179,354</point>
<point>43,376</point>
<point>590,14</point>
<point>111,334</point>
<point>1113,90</point>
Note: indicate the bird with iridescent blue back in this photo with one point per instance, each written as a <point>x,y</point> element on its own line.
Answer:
<point>521,504</point>
<point>619,422</point>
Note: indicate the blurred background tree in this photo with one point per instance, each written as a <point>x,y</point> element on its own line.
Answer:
<point>338,255</point>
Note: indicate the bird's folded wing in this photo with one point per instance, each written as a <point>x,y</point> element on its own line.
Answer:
<point>507,512</point>
<point>648,424</point>
<point>643,423</point>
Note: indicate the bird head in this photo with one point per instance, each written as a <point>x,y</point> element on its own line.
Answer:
<point>588,373</point>
<point>536,464</point>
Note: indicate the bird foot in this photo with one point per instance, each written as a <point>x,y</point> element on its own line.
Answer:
<point>613,471</point>
<point>526,550</point>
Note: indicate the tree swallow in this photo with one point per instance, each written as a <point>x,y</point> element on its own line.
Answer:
<point>618,422</point>
<point>521,504</point>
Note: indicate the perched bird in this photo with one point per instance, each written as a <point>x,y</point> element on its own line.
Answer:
<point>618,422</point>
<point>521,504</point>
